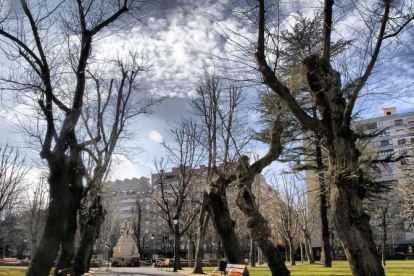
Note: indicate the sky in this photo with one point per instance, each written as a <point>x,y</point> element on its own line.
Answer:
<point>175,41</point>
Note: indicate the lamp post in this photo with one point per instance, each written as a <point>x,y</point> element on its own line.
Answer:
<point>175,221</point>
<point>152,256</point>
<point>212,249</point>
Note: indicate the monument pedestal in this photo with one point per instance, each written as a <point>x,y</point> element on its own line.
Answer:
<point>126,251</point>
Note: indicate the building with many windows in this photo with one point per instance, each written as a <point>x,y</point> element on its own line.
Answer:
<point>395,143</point>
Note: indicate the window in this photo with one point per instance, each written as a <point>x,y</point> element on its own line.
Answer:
<point>372,126</point>
<point>387,133</point>
<point>386,152</point>
<point>388,113</point>
<point>404,161</point>
<point>403,152</point>
<point>401,141</point>
<point>380,124</point>
<point>385,143</point>
<point>398,122</point>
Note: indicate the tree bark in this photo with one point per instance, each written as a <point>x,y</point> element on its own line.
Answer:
<point>301,252</point>
<point>56,221</point>
<point>91,217</point>
<point>291,251</point>
<point>68,240</point>
<point>260,257</point>
<point>351,222</point>
<point>252,252</point>
<point>224,225</point>
<point>203,224</point>
<point>190,251</point>
<point>259,229</point>
<point>308,248</point>
<point>323,212</point>
<point>177,264</point>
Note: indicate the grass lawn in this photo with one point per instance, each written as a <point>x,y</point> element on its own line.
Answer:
<point>340,268</point>
<point>15,271</point>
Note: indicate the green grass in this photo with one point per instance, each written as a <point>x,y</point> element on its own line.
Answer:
<point>15,271</point>
<point>340,268</point>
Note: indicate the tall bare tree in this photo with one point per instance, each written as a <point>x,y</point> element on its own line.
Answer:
<point>216,104</point>
<point>38,202</point>
<point>34,36</point>
<point>107,112</point>
<point>335,104</point>
<point>177,197</point>
<point>12,173</point>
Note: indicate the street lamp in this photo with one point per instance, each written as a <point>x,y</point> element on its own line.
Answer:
<point>212,249</point>
<point>152,256</point>
<point>175,221</point>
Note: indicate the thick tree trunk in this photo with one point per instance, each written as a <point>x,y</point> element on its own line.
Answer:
<point>204,219</point>
<point>68,240</point>
<point>259,229</point>
<point>56,222</point>
<point>224,225</point>
<point>323,212</point>
<point>91,218</point>
<point>291,251</point>
<point>177,253</point>
<point>350,220</point>
<point>252,252</point>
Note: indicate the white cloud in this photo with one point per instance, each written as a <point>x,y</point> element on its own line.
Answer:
<point>154,135</point>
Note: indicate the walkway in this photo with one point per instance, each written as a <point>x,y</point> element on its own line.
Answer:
<point>132,271</point>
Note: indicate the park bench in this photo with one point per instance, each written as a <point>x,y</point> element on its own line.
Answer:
<point>11,261</point>
<point>66,272</point>
<point>165,263</point>
<point>233,270</point>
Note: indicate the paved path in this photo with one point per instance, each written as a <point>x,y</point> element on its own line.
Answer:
<point>132,271</point>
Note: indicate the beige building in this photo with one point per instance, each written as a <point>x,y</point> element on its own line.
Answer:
<point>395,141</point>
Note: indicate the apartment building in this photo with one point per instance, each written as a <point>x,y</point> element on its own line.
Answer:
<point>396,140</point>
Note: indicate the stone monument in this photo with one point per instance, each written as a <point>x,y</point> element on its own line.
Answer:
<point>126,251</point>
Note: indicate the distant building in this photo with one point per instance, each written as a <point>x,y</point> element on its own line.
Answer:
<point>397,140</point>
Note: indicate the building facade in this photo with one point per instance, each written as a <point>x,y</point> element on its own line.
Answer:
<point>394,147</point>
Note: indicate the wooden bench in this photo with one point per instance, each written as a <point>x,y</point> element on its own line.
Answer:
<point>11,261</point>
<point>66,272</point>
<point>165,263</point>
<point>233,270</point>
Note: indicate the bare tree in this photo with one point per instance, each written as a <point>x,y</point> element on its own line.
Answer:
<point>306,212</point>
<point>31,34</point>
<point>110,228</point>
<point>38,203</point>
<point>335,104</point>
<point>216,105</point>
<point>178,195</point>
<point>12,173</point>
<point>286,213</point>
<point>107,112</point>
<point>137,226</point>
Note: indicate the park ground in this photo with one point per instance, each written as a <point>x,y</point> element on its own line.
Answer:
<point>340,268</point>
